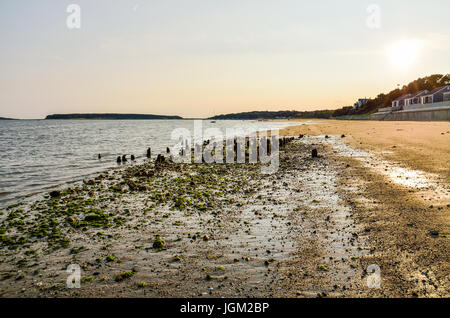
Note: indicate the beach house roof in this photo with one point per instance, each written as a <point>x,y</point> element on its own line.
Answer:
<point>421,93</point>
<point>403,97</point>
<point>436,90</point>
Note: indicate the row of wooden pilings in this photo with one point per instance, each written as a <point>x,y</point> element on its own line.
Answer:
<point>282,143</point>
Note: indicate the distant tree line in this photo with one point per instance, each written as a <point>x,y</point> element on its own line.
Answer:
<point>258,115</point>
<point>110,116</point>
<point>284,114</point>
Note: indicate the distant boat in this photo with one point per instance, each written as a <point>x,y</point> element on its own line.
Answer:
<point>213,121</point>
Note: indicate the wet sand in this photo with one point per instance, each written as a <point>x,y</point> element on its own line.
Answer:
<point>310,230</point>
<point>396,175</point>
<point>417,145</point>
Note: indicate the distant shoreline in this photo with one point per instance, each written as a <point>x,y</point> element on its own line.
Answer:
<point>110,116</point>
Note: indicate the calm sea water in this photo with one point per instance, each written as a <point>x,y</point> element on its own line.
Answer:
<point>37,155</point>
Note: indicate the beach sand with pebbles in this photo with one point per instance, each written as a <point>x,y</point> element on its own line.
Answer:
<point>380,195</point>
<point>396,175</point>
<point>417,145</point>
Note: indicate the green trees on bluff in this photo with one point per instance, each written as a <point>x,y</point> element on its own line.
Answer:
<point>385,100</point>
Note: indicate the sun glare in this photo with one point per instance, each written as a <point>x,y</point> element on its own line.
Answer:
<point>404,54</point>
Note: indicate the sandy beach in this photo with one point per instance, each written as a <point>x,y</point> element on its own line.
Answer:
<point>377,195</point>
<point>397,177</point>
<point>417,145</point>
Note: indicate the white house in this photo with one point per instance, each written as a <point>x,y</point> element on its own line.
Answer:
<point>401,100</point>
<point>416,99</point>
<point>360,102</point>
<point>437,95</point>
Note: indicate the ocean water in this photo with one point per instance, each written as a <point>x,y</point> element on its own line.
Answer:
<point>38,155</point>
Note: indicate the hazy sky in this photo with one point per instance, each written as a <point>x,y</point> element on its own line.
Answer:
<point>204,57</point>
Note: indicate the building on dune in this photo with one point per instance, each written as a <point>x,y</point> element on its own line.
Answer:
<point>416,98</point>
<point>360,102</point>
<point>438,95</point>
<point>423,105</point>
<point>399,102</point>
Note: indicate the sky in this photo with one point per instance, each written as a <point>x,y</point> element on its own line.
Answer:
<point>198,58</point>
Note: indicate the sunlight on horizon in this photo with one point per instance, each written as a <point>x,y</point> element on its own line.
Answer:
<point>405,53</point>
